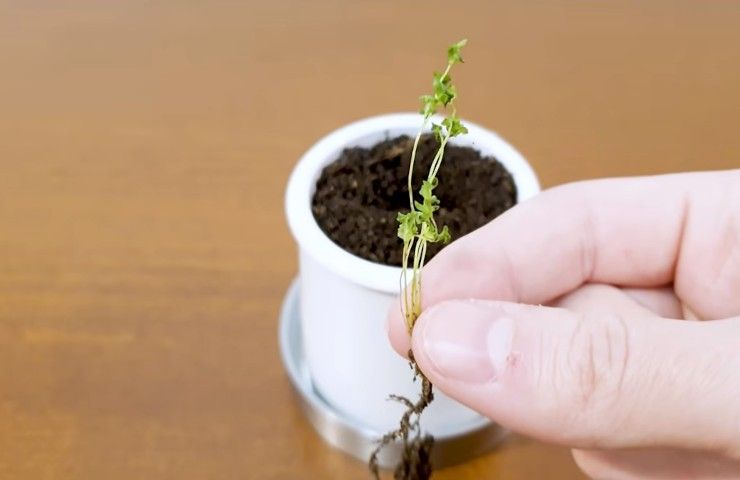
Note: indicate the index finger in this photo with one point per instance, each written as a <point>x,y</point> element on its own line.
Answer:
<point>626,231</point>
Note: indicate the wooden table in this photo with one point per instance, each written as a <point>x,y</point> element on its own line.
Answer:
<point>144,148</point>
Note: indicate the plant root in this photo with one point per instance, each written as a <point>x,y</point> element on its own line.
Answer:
<point>415,463</point>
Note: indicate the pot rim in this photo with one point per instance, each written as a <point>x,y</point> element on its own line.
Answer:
<point>301,185</point>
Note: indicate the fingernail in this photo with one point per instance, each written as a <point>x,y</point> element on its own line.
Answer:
<point>467,341</point>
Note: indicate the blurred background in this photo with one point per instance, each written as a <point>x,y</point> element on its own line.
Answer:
<point>144,150</point>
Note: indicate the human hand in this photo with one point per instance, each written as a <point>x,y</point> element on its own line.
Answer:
<point>611,367</point>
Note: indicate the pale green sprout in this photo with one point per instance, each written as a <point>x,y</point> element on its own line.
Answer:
<point>417,228</point>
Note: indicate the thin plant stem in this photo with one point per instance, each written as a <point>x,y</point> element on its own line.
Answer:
<point>418,228</point>
<point>413,160</point>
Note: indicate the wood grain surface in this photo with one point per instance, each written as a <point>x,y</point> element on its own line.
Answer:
<point>144,149</point>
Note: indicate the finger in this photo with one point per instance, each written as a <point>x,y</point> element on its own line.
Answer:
<point>662,301</point>
<point>595,299</point>
<point>587,380</point>
<point>688,313</point>
<point>602,298</point>
<point>655,464</point>
<point>637,232</point>
<point>636,302</point>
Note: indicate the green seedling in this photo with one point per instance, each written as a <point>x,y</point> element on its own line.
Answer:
<point>417,228</point>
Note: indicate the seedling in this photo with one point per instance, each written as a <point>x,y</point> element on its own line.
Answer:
<point>418,228</point>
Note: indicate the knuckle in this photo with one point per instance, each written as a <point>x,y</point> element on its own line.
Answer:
<point>594,366</point>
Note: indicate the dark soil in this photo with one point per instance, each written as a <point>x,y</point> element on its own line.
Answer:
<point>358,196</point>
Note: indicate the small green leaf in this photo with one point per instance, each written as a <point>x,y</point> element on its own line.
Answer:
<point>426,210</point>
<point>454,126</point>
<point>426,189</point>
<point>429,105</point>
<point>427,233</point>
<point>407,225</point>
<point>453,53</point>
<point>444,236</point>
<point>438,132</point>
<point>444,91</point>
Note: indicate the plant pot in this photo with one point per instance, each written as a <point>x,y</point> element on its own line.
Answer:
<point>344,299</point>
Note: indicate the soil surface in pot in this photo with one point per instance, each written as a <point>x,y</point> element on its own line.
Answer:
<point>358,196</point>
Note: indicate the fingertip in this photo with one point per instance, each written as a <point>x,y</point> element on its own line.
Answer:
<point>463,341</point>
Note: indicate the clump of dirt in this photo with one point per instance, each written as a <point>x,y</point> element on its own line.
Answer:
<point>358,196</point>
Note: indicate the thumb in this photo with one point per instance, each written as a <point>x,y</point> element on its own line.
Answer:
<point>588,380</point>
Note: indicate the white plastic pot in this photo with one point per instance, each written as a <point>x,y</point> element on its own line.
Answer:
<point>344,299</point>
